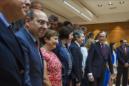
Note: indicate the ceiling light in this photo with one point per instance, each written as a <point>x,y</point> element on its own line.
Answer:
<point>86,16</point>
<point>76,10</point>
<point>72,7</point>
<point>110,3</point>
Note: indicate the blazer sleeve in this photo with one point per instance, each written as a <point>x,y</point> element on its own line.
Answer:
<point>26,80</point>
<point>110,61</point>
<point>119,56</point>
<point>77,63</point>
<point>90,58</point>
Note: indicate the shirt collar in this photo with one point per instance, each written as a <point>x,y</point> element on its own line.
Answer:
<point>33,38</point>
<point>77,43</point>
<point>4,20</point>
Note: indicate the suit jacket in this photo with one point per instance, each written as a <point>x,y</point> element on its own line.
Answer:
<point>96,62</point>
<point>122,57</point>
<point>77,61</point>
<point>63,56</point>
<point>11,57</point>
<point>34,62</point>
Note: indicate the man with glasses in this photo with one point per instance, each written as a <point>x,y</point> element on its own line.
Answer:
<point>36,24</point>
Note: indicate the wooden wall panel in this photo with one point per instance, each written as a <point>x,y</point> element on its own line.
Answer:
<point>116,31</point>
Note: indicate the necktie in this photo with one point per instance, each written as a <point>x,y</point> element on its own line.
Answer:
<point>37,44</point>
<point>103,49</point>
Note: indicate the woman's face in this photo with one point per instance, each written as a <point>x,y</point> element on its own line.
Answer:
<point>70,36</point>
<point>52,42</point>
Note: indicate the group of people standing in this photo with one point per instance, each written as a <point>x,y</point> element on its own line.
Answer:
<point>34,53</point>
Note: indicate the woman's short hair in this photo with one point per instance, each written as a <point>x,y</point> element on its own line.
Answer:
<point>64,32</point>
<point>48,35</point>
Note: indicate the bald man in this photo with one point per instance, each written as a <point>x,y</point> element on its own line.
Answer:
<point>35,28</point>
<point>99,58</point>
<point>12,64</point>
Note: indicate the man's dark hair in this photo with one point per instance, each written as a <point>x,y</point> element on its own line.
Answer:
<point>90,35</point>
<point>66,23</point>
<point>53,18</point>
<point>64,32</point>
<point>122,40</point>
<point>30,15</point>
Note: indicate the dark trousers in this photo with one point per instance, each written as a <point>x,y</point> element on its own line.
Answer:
<point>97,82</point>
<point>122,72</point>
<point>66,80</point>
<point>84,81</point>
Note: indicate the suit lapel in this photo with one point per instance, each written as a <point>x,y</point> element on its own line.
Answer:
<point>121,49</point>
<point>98,48</point>
<point>33,46</point>
<point>12,43</point>
<point>99,51</point>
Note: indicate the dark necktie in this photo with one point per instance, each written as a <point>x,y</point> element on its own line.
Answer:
<point>103,49</point>
<point>37,44</point>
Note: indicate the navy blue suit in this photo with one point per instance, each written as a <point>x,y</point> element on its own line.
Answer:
<point>122,71</point>
<point>77,62</point>
<point>34,64</point>
<point>11,57</point>
<point>97,62</point>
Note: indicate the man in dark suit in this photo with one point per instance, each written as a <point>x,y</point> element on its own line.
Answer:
<point>75,49</point>
<point>35,27</point>
<point>11,54</point>
<point>99,58</point>
<point>123,63</point>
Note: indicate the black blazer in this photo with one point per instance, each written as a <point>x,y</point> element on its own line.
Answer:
<point>11,58</point>
<point>122,58</point>
<point>96,62</point>
<point>77,61</point>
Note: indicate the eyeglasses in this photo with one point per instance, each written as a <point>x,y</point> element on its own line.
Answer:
<point>42,22</point>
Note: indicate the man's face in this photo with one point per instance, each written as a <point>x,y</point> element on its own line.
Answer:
<point>39,25</point>
<point>11,9</point>
<point>70,36</point>
<point>81,39</point>
<point>25,8</point>
<point>53,25</point>
<point>125,43</point>
<point>38,6</point>
<point>102,37</point>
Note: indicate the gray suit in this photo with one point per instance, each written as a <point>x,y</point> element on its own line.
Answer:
<point>34,65</point>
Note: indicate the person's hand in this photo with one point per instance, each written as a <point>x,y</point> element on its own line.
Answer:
<point>78,84</point>
<point>126,65</point>
<point>91,77</point>
<point>113,76</point>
